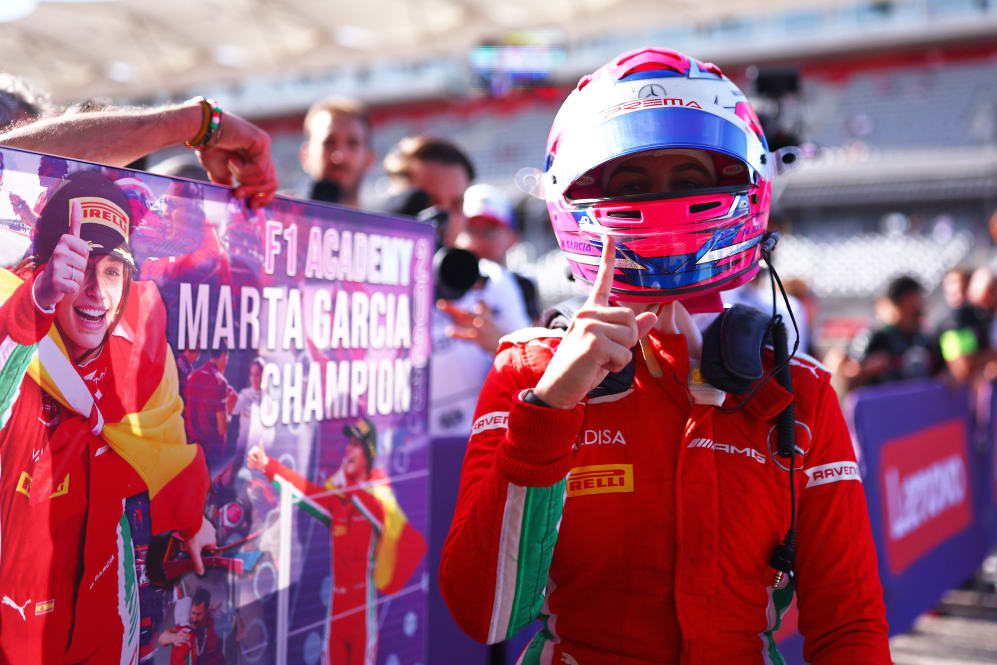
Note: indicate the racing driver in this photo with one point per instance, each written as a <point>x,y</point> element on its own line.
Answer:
<point>607,488</point>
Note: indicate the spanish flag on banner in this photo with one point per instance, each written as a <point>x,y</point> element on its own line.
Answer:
<point>401,546</point>
<point>141,417</point>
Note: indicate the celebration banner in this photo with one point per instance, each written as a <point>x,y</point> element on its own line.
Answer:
<point>249,385</point>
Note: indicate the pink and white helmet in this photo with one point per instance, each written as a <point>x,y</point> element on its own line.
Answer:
<point>685,242</point>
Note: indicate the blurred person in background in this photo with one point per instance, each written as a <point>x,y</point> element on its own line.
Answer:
<point>492,229</point>
<point>20,101</point>
<point>425,171</point>
<point>429,172</point>
<point>964,332</point>
<point>337,151</point>
<point>955,286</point>
<point>758,294</point>
<point>798,289</point>
<point>982,294</point>
<point>900,348</point>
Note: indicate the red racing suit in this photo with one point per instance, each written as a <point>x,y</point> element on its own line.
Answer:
<point>639,526</point>
<point>373,548</point>
<point>68,575</point>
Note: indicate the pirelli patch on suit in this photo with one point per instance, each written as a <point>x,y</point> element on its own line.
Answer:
<point>601,479</point>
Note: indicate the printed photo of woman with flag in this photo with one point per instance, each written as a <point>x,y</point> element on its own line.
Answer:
<point>374,547</point>
<point>91,415</point>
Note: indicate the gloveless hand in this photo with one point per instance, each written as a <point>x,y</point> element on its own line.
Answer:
<point>63,276</point>
<point>257,458</point>
<point>203,539</point>
<point>475,325</point>
<point>598,341</point>
<point>241,150</point>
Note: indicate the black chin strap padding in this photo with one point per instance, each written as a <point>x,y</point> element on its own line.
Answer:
<point>617,382</point>
<point>732,349</point>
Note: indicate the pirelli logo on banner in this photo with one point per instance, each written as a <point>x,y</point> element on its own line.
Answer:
<point>97,210</point>
<point>601,479</point>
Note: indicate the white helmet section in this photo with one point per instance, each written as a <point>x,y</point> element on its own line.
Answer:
<point>605,118</point>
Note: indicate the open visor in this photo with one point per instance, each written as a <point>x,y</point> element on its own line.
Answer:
<point>660,173</point>
<point>583,151</point>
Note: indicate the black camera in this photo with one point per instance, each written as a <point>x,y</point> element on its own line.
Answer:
<point>455,271</point>
<point>325,190</point>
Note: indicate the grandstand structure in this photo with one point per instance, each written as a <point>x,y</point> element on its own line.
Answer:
<point>895,105</point>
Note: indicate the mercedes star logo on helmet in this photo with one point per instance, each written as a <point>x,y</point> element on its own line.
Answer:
<point>651,90</point>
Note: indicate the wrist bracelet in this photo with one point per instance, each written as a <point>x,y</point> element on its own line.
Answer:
<point>211,119</point>
<point>530,397</point>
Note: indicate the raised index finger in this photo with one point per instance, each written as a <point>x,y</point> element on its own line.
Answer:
<point>75,218</point>
<point>603,284</point>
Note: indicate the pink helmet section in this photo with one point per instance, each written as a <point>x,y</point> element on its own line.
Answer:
<point>645,105</point>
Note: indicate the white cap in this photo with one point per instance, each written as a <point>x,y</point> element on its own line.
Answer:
<point>484,200</point>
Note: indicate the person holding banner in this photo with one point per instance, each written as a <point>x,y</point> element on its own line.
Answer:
<point>360,509</point>
<point>608,488</point>
<point>91,417</point>
<point>233,150</point>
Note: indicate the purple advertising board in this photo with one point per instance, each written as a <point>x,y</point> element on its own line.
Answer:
<point>244,386</point>
<point>921,471</point>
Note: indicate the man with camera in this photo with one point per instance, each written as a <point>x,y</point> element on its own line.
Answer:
<point>478,301</point>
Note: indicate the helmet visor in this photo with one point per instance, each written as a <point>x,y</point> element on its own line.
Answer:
<point>585,148</point>
<point>659,173</point>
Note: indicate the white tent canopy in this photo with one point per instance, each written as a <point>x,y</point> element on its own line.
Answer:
<point>134,49</point>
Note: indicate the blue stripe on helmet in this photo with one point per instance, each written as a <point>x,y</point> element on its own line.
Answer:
<point>668,127</point>
<point>655,74</point>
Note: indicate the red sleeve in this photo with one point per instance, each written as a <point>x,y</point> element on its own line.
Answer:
<point>516,449</point>
<point>842,614</point>
<point>20,317</point>
<point>316,493</point>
